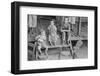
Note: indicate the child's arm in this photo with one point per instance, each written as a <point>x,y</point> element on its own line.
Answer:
<point>37,37</point>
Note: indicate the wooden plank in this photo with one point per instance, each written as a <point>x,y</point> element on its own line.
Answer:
<point>78,38</point>
<point>58,46</point>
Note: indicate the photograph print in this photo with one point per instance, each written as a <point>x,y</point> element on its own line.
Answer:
<point>52,37</point>
<point>57,37</point>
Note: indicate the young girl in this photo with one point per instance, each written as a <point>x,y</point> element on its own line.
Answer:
<point>41,43</point>
<point>52,33</point>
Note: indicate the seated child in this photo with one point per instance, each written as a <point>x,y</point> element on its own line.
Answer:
<point>66,31</point>
<point>41,43</point>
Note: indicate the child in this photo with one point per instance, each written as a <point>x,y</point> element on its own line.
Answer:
<point>66,31</point>
<point>41,42</point>
<point>52,33</point>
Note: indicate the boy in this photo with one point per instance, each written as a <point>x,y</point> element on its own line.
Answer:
<point>66,31</point>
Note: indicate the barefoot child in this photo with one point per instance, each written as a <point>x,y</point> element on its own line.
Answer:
<point>41,43</point>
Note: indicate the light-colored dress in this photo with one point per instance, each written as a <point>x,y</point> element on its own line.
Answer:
<point>53,33</point>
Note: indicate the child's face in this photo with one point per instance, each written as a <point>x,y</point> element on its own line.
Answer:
<point>52,22</point>
<point>66,20</point>
<point>43,33</point>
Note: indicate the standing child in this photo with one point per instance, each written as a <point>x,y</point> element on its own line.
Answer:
<point>52,33</point>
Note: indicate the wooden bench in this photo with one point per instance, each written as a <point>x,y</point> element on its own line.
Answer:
<point>60,47</point>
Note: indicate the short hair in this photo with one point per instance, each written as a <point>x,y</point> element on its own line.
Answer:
<point>53,20</point>
<point>67,18</point>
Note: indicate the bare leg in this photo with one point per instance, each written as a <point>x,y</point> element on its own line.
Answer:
<point>51,43</point>
<point>46,52</point>
<point>46,49</point>
<point>39,49</point>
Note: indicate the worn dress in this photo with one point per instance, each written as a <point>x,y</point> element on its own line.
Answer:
<point>53,34</point>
